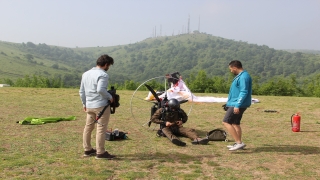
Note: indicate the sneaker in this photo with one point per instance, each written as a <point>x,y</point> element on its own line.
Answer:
<point>178,142</point>
<point>201,141</point>
<point>105,155</point>
<point>237,146</point>
<point>92,152</point>
<point>230,146</point>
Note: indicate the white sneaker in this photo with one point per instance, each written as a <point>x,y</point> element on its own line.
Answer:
<point>230,146</point>
<point>237,146</point>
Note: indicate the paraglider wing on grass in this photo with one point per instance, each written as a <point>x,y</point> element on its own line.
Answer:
<point>38,121</point>
<point>180,91</point>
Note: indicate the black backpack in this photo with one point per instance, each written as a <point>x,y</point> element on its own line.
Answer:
<point>116,135</point>
<point>217,135</point>
<point>116,100</point>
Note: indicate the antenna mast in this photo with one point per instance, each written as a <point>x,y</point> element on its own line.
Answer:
<point>199,24</point>
<point>188,25</point>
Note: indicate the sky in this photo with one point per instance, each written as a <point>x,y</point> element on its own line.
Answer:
<point>279,24</point>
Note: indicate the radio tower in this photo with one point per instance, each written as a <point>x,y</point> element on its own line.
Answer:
<point>188,25</point>
<point>199,25</point>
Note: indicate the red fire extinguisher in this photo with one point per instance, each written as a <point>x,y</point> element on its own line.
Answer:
<point>295,122</point>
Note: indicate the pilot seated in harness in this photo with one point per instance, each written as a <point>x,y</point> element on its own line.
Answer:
<point>171,118</point>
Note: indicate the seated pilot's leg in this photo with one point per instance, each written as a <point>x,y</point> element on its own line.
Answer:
<point>191,133</point>
<point>188,132</point>
<point>174,139</point>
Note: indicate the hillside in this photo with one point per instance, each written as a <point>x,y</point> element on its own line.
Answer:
<point>16,62</point>
<point>191,53</point>
<point>19,60</point>
<point>186,53</point>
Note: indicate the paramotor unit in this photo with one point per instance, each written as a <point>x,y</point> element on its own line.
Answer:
<point>154,94</point>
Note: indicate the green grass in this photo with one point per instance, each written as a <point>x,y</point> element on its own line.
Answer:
<point>54,151</point>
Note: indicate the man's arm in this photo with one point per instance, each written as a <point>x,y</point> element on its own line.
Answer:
<point>184,116</point>
<point>82,94</point>
<point>156,117</point>
<point>244,91</point>
<point>102,87</point>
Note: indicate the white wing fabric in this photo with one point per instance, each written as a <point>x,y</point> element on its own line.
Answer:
<point>180,91</point>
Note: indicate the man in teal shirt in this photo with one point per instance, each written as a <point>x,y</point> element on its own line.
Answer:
<point>239,100</point>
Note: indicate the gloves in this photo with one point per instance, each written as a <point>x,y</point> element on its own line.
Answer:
<point>225,107</point>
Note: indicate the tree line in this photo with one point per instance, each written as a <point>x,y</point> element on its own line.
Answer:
<point>197,83</point>
<point>39,81</point>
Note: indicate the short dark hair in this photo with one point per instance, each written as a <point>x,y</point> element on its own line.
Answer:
<point>104,59</point>
<point>173,77</point>
<point>235,63</point>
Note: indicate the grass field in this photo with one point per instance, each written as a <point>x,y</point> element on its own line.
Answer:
<point>54,151</point>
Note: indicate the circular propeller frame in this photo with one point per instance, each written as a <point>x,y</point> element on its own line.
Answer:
<point>141,106</point>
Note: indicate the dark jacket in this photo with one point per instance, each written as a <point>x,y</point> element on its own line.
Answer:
<point>162,115</point>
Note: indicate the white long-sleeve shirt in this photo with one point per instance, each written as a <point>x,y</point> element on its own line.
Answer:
<point>93,89</point>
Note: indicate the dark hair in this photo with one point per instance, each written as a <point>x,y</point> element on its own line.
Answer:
<point>173,77</point>
<point>235,63</point>
<point>104,59</point>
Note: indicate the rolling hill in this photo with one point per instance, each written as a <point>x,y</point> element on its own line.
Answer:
<point>186,53</point>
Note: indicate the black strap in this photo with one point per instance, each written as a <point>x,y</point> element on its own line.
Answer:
<point>101,113</point>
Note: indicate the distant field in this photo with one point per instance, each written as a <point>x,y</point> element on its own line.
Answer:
<point>54,151</point>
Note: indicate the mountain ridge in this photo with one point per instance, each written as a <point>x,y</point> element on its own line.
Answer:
<point>151,57</point>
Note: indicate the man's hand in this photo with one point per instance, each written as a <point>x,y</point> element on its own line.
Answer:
<point>85,109</point>
<point>179,123</point>
<point>111,100</point>
<point>169,123</point>
<point>236,110</point>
